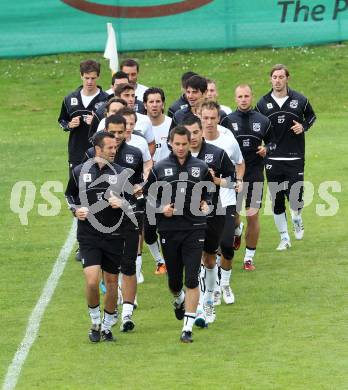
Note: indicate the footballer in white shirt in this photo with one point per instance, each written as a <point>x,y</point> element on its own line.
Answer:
<point>209,113</point>
<point>154,100</point>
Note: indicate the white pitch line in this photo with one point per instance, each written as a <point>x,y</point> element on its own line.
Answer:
<point>32,329</point>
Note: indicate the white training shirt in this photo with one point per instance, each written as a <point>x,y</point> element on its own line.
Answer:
<point>139,142</point>
<point>226,109</point>
<point>280,101</point>
<point>161,135</point>
<point>225,130</point>
<point>101,125</point>
<point>164,152</point>
<point>139,91</point>
<point>87,99</point>
<point>144,125</point>
<point>231,147</point>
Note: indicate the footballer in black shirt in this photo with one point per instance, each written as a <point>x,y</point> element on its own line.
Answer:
<point>77,111</point>
<point>291,116</point>
<point>96,194</point>
<point>181,204</point>
<point>222,171</point>
<point>195,93</point>
<point>252,130</point>
<point>130,157</point>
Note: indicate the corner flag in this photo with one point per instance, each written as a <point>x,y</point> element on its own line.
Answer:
<point>110,52</point>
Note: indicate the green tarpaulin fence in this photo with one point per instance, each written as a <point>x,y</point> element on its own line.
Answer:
<point>32,27</point>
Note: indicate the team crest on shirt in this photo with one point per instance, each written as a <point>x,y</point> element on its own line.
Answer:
<point>168,172</point>
<point>281,119</point>
<point>74,101</point>
<point>87,178</point>
<point>112,179</point>
<point>130,158</point>
<point>98,105</point>
<point>235,126</point>
<point>269,106</point>
<point>100,196</point>
<point>293,103</point>
<point>195,171</point>
<point>208,158</point>
<point>256,126</point>
<point>246,142</point>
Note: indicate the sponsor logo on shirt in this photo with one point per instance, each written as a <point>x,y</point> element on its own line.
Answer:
<point>256,126</point>
<point>74,101</point>
<point>235,126</point>
<point>195,171</point>
<point>281,118</point>
<point>268,166</point>
<point>112,179</point>
<point>168,172</point>
<point>246,142</point>
<point>208,158</point>
<point>100,195</point>
<point>87,178</point>
<point>294,103</point>
<point>130,158</point>
<point>269,106</point>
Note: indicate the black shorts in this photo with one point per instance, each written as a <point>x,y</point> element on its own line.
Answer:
<point>182,250</point>
<point>226,243</point>
<point>129,257</point>
<point>213,232</point>
<point>252,188</point>
<point>285,179</point>
<point>150,232</point>
<point>107,253</point>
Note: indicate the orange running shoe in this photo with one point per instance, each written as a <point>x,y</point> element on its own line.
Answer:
<point>249,265</point>
<point>161,269</point>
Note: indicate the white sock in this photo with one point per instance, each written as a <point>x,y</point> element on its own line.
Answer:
<point>218,277</point>
<point>210,282</point>
<point>189,320</point>
<point>202,279</point>
<point>138,263</point>
<point>225,277</point>
<point>201,288</point>
<point>238,229</point>
<point>218,260</point>
<point>296,216</point>
<point>249,254</point>
<point>107,320</point>
<point>179,299</point>
<point>155,252</point>
<point>282,226</point>
<point>94,313</point>
<point>127,309</point>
